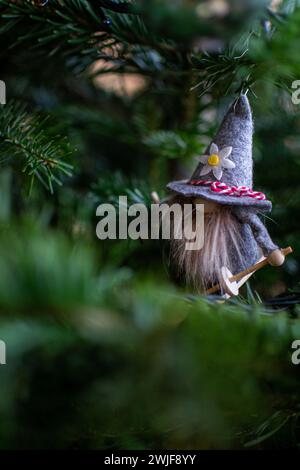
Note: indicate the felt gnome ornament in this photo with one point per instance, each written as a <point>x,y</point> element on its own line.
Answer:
<point>235,237</point>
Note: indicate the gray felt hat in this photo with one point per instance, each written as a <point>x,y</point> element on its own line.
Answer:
<point>225,172</point>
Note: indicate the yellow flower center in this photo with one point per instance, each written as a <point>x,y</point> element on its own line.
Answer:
<point>213,160</point>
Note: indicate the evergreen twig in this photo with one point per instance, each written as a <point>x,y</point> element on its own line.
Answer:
<point>29,137</point>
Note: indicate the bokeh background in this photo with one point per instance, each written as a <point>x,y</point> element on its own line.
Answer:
<point>104,349</point>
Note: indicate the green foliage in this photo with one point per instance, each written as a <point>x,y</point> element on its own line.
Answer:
<point>27,137</point>
<point>228,50</point>
<point>76,29</point>
<point>129,363</point>
<point>187,21</point>
<point>48,271</point>
<point>172,144</point>
<point>275,58</point>
<point>110,187</point>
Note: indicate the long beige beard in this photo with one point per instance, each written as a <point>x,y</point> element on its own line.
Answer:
<point>202,268</point>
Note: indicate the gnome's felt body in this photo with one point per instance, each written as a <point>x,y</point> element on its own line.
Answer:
<point>234,232</point>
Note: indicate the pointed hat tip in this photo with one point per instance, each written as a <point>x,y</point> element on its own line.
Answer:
<point>241,107</point>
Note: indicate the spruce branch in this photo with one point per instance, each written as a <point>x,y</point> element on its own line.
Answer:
<point>119,7</point>
<point>75,28</point>
<point>31,138</point>
<point>133,42</point>
<point>223,70</point>
<point>109,187</point>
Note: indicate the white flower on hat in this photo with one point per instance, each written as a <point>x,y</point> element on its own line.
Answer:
<point>216,161</point>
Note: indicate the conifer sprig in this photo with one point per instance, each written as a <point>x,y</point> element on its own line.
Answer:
<point>30,138</point>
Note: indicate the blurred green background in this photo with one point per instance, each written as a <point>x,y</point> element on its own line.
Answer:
<point>104,351</point>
